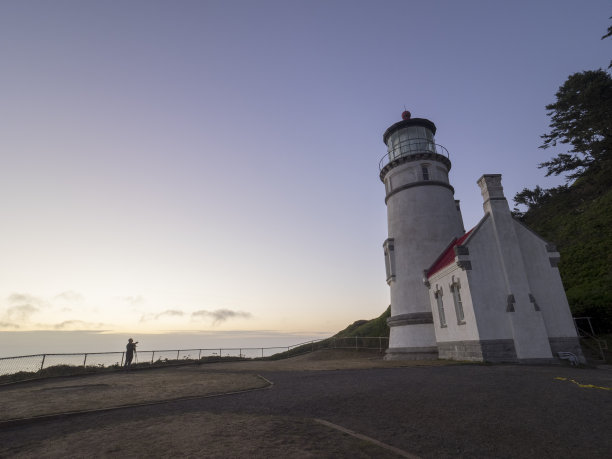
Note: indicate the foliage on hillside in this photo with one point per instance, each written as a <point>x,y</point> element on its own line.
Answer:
<point>578,219</point>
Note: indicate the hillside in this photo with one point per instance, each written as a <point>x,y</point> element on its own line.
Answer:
<point>578,219</point>
<point>372,328</point>
<point>363,328</point>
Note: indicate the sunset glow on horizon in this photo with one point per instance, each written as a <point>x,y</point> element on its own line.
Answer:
<point>206,165</point>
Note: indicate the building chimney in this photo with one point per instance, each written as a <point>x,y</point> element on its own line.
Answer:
<point>528,329</point>
<point>493,193</point>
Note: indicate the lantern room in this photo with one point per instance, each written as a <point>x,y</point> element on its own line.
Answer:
<point>410,136</point>
<point>408,139</point>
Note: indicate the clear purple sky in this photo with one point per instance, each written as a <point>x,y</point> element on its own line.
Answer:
<point>213,165</point>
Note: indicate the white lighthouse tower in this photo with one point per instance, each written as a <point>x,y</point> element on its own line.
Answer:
<point>423,218</point>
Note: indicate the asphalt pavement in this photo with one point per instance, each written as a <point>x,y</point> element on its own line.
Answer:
<point>497,411</point>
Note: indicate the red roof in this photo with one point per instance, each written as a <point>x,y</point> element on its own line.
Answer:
<point>448,256</point>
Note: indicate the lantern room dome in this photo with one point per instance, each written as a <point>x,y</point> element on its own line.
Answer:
<point>422,122</point>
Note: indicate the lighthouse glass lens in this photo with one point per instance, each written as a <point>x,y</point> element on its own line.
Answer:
<point>410,140</point>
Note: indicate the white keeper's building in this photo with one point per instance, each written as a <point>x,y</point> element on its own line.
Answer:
<point>490,294</point>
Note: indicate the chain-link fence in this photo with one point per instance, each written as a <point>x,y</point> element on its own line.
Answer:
<point>40,365</point>
<point>359,342</point>
<point>39,362</point>
<point>378,343</point>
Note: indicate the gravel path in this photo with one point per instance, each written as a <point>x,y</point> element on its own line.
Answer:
<point>441,411</point>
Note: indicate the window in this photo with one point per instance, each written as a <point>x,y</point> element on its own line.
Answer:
<point>393,146</point>
<point>455,289</point>
<point>425,172</point>
<point>534,302</point>
<point>438,295</point>
<point>389,248</point>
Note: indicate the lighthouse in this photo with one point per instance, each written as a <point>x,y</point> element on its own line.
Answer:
<point>423,218</point>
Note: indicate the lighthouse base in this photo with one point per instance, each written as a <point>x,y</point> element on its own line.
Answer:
<point>412,353</point>
<point>412,337</point>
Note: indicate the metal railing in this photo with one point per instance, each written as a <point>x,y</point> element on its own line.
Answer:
<point>584,328</point>
<point>412,147</point>
<point>587,336</point>
<point>39,365</point>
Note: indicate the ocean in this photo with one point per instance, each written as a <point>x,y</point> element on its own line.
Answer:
<point>15,343</point>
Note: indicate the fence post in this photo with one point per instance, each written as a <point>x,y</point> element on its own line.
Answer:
<point>380,343</point>
<point>85,361</point>
<point>591,326</point>
<point>177,354</point>
<point>200,354</point>
<point>152,355</point>
<point>356,346</point>
<point>43,362</point>
<point>262,352</point>
<point>122,355</point>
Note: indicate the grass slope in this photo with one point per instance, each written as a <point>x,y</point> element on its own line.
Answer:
<point>368,328</point>
<point>373,328</point>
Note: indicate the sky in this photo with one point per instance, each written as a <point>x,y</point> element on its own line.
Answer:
<point>213,165</point>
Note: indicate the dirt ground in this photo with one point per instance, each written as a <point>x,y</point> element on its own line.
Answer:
<point>110,390</point>
<point>97,392</point>
<point>199,434</point>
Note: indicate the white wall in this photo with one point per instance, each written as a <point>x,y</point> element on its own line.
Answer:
<point>487,285</point>
<point>468,331</point>
<point>545,283</point>
<point>422,220</point>
<point>411,336</point>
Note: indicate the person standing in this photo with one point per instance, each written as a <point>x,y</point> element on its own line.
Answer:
<point>130,349</point>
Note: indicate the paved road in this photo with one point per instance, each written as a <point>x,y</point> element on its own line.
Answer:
<point>454,411</point>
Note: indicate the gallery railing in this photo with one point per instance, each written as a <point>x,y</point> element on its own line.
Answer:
<point>411,147</point>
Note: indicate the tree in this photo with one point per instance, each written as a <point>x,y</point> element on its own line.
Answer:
<point>531,198</point>
<point>578,216</point>
<point>581,117</point>
<point>609,34</point>
<point>538,197</point>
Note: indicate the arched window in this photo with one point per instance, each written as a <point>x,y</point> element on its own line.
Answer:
<point>455,288</point>
<point>389,248</point>
<point>438,296</point>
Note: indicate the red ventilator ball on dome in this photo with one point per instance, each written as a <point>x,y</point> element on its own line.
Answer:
<point>406,115</point>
